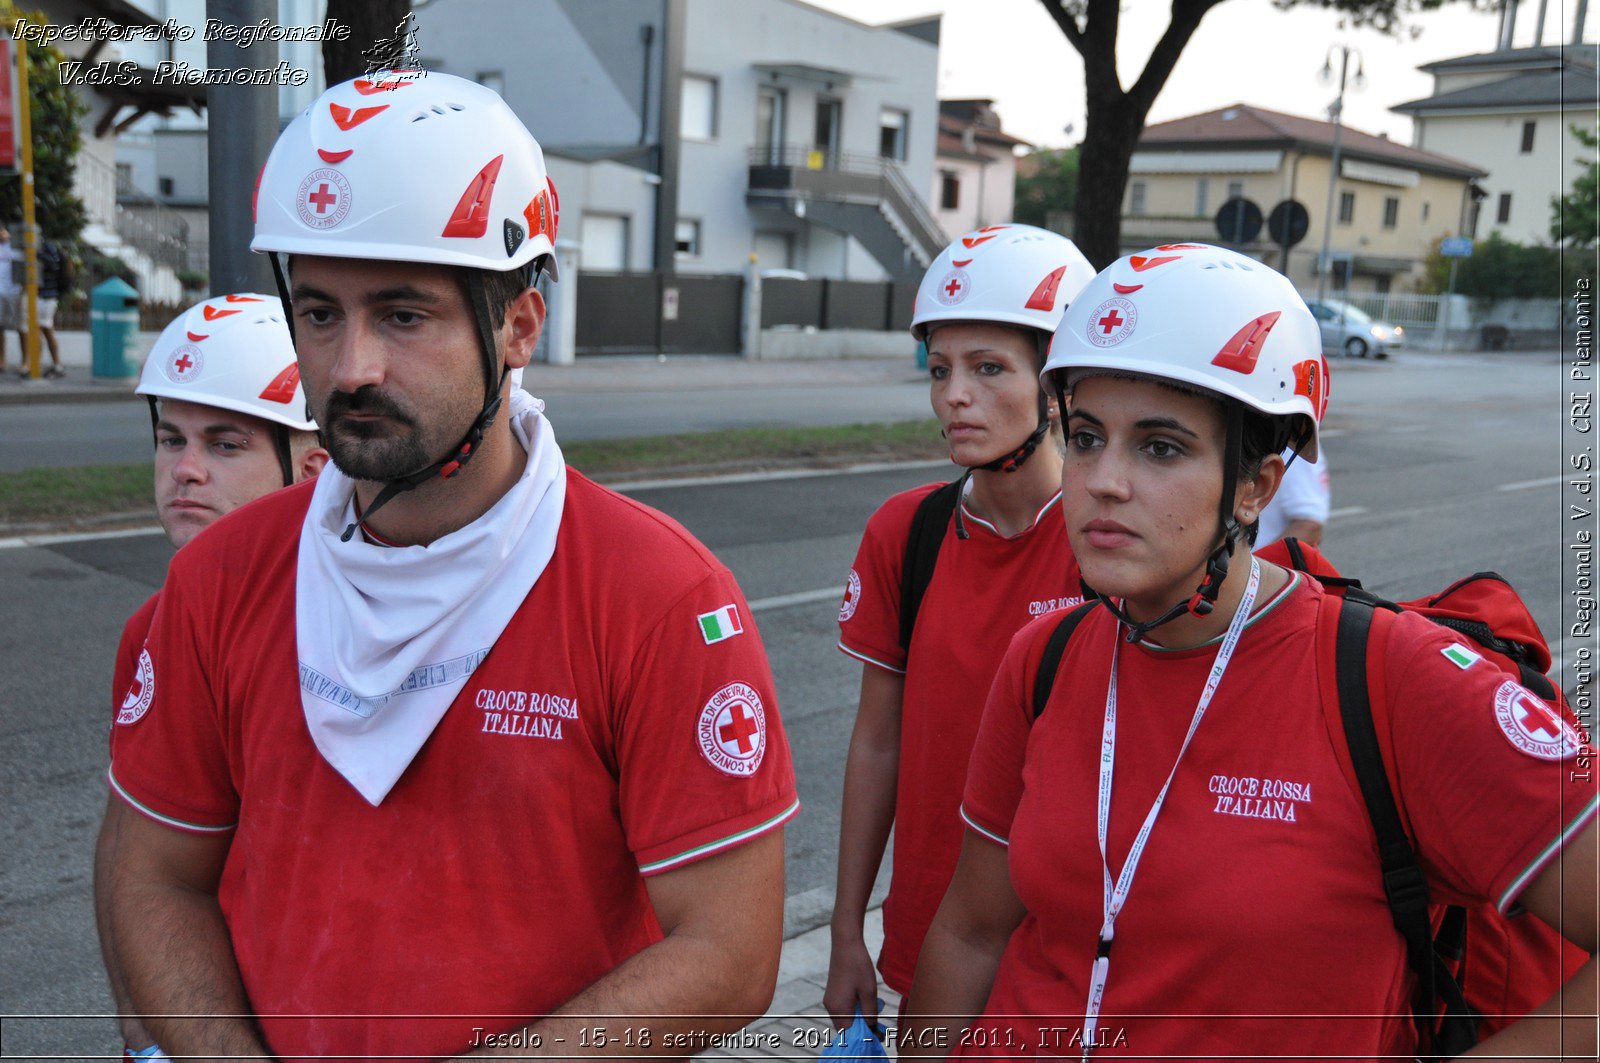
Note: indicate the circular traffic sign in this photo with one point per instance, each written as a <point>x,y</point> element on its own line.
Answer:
<point>1288,223</point>
<point>1238,221</point>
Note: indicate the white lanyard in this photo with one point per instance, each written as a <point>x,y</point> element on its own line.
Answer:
<point>1115,896</point>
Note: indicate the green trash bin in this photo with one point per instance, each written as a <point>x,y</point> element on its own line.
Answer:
<point>114,329</point>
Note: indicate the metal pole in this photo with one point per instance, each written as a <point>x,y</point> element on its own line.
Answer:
<point>1333,174</point>
<point>241,128</point>
<point>1577,23</point>
<point>30,230</point>
<point>1444,313</point>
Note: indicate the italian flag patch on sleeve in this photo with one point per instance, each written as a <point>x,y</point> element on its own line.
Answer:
<point>719,625</point>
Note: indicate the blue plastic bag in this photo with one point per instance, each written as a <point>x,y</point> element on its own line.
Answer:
<point>858,1041</point>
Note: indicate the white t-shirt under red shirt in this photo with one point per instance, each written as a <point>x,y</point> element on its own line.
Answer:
<point>607,736</point>
<point>982,590</point>
<point>1256,924</point>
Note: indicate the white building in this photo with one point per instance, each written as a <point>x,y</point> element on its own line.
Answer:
<point>977,167</point>
<point>1509,112</point>
<point>691,134</point>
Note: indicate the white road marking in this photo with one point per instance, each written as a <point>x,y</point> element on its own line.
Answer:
<point>782,474</point>
<point>779,601</point>
<point>76,537</point>
<point>1523,485</point>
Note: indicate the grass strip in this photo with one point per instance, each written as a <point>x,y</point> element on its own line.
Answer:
<point>90,493</point>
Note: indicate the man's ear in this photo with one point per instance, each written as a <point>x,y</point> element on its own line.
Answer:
<point>524,323</point>
<point>310,463</point>
<point>1254,494</point>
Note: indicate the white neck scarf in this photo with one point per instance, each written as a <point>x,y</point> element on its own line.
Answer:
<point>387,636</point>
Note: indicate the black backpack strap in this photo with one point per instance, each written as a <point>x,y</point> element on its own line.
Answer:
<point>1403,881</point>
<point>1044,679</point>
<point>928,526</point>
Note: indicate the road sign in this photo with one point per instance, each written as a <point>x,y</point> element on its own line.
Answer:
<point>1456,247</point>
<point>1288,223</point>
<point>1238,221</point>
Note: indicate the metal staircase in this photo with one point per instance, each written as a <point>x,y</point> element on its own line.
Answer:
<point>128,223</point>
<point>866,196</point>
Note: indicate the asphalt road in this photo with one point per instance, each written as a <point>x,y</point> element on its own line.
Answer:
<point>1442,466</point>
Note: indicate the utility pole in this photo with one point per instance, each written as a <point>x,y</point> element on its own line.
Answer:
<point>241,127</point>
<point>1336,112</point>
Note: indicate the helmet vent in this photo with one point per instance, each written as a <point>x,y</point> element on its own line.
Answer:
<point>440,109</point>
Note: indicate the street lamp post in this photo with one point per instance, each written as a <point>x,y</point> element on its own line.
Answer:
<point>1336,112</point>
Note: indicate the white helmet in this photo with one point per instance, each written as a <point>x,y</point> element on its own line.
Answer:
<point>1203,316</point>
<point>1008,274</point>
<point>411,167</point>
<point>232,352</point>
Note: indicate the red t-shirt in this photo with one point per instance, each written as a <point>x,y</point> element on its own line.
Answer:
<point>603,739</point>
<point>982,590</point>
<point>1256,923</point>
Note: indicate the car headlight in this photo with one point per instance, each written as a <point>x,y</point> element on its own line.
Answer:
<point>1379,332</point>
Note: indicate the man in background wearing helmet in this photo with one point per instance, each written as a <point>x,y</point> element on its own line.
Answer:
<point>986,308</point>
<point>229,421</point>
<point>453,749</point>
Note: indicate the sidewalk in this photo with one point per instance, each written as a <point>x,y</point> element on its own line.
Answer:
<point>591,374</point>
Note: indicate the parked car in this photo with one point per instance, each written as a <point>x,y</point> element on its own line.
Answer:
<point>1349,330</point>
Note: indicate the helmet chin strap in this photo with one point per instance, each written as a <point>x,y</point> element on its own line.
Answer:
<point>1010,461</point>
<point>1204,600</point>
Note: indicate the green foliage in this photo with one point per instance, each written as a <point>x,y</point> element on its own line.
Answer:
<point>56,111</point>
<point>193,278</point>
<point>1575,217</point>
<point>1501,269</point>
<point>1051,185</point>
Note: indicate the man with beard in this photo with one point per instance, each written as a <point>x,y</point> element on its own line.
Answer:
<point>519,766</point>
<point>228,418</point>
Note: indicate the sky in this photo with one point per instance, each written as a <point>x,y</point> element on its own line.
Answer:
<point>1245,51</point>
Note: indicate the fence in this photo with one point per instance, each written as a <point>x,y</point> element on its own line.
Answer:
<point>650,313</point>
<point>834,304</point>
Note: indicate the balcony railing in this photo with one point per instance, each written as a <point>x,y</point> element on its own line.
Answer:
<point>799,169</point>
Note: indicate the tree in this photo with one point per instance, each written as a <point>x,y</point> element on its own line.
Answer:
<point>1116,115</point>
<point>1047,183</point>
<point>56,111</point>
<point>1573,217</point>
<point>374,24</point>
<point>1497,269</point>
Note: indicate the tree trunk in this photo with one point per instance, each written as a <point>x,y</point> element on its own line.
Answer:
<point>1108,142</point>
<point>370,21</point>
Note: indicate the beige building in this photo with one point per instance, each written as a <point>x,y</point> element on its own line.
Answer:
<point>1390,204</point>
<point>1510,112</point>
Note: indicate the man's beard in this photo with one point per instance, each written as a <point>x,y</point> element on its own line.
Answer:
<point>373,450</point>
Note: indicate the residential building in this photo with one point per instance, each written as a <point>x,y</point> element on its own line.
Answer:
<point>1510,113</point>
<point>687,135</point>
<point>976,171</point>
<point>1390,201</point>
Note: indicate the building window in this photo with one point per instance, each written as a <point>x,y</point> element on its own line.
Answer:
<point>892,134</point>
<point>1425,207</point>
<point>1502,213</point>
<point>1235,189</point>
<point>1391,212</point>
<point>1347,208</point>
<point>1201,188</point>
<point>1381,283</point>
<point>699,118</point>
<point>688,238</point>
<point>1136,195</point>
<point>949,190</point>
<point>1527,137</point>
<point>165,185</point>
<point>492,79</point>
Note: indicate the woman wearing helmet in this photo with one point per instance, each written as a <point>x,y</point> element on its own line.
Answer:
<point>985,308</point>
<point>1231,865</point>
